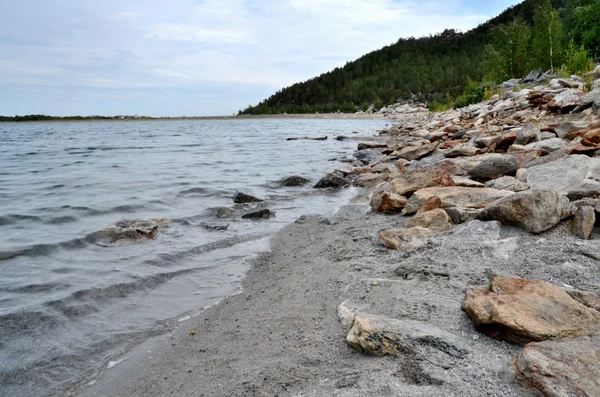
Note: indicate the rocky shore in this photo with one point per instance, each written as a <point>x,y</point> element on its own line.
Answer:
<point>467,266</point>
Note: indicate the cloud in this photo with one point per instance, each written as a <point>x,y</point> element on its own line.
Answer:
<point>252,46</point>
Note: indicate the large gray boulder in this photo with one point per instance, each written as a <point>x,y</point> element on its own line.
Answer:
<point>332,180</point>
<point>534,211</point>
<point>576,176</point>
<point>494,167</point>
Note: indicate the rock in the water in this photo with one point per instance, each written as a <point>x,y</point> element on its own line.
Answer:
<point>387,202</point>
<point>583,222</point>
<point>367,156</point>
<point>137,229</point>
<point>243,198</point>
<point>455,196</point>
<point>534,211</point>
<point>495,167</point>
<point>406,240</point>
<point>561,368</point>
<point>436,220</point>
<point>293,181</point>
<point>410,182</point>
<point>331,180</point>
<point>520,311</point>
<point>577,176</point>
<point>508,183</point>
<point>461,215</point>
<point>417,152</point>
<point>222,212</point>
<point>371,145</point>
<point>379,336</point>
<point>529,133</point>
<point>261,214</point>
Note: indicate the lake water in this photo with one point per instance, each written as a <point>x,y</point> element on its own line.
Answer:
<point>69,298</point>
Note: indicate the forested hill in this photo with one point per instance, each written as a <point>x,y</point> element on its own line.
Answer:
<point>540,34</point>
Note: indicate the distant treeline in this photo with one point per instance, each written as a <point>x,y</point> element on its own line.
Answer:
<point>563,35</point>
<point>43,117</point>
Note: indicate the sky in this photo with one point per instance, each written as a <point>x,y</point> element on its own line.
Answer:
<point>195,57</point>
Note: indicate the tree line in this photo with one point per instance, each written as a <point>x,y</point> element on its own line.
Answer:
<point>453,68</point>
<point>43,117</point>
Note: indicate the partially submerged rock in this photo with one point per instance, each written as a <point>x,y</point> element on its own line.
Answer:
<point>534,211</point>
<point>138,229</point>
<point>294,181</point>
<point>261,214</point>
<point>520,311</point>
<point>243,198</point>
<point>561,368</point>
<point>331,180</point>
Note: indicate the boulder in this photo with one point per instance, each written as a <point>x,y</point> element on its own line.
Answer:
<point>436,220</point>
<point>461,215</point>
<point>261,214</point>
<point>548,145</point>
<point>568,126</point>
<point>406,240</point>
<point>576,176</point>
<point>222,212</point>
<point>138,229</point>
<point>293,181</point>
<point>565,101</point>
<point>367,156</point>
<point>583,222</point>
<point>508,183</point>
<point>387,202</point>
<point>416,152</point>
<point>455,196</point>
<point>494,167</point>
<point>380,336</point>
<point>433,203</point>
<point>371,180</point>
<point>591,99</point>
<point>534,211</point>
<point>331,180</point>
<point>520,311</point>
<point>561,368</point>
<point>411,181</point>
<point>529,133</point>
<point>243,198</point>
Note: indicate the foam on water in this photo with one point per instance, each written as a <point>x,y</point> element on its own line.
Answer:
<point>70,296</point>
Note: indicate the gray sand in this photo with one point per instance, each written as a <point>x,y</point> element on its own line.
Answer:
<point>282,336</point>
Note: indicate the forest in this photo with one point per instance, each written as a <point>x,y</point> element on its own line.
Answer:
<point>453,69</point>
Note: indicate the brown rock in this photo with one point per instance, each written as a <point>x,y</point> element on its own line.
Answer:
<point>455,196</point>
<point>387,202</point>
<point>420,178</point>
<point>362,170</point>
<point>593,136</point>
<point>431,204</point>
<point>406,240</point>
<point>561,368</point>
<point>370,180</point>
<point>436,220</point>
<point>586,298</point>
<point>417,152</point>
<point>583,222</point>
<point>520,311</point>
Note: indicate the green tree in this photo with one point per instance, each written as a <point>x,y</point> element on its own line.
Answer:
<point>547,35</point>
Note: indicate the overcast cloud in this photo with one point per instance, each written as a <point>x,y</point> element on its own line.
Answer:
<point>185,57</point>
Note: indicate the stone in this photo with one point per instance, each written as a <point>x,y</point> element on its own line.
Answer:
<point>436,220</point>
<point>494,168</point>
<point>520,311</point>
<point>534,211</point>
<point>586,298</point>
<point>561,368</point>
<point>433,203</point>
<point>568,126</point>
<point>387,202</point>
<point>138,229</point>
<point>591,99</point>
<point>370,180</point>
<point>565,101</point>
<point>293,181</point>
<point>260,214</point>
<point>367,156</point>
<point>583,222</point>
<point>331,180</point>
<point>592,136</point>
<point>243,198</point>
<point>411,181</point>
<point>407,240</point>
<point>371,145</point>
<point>576,176</point>
<point>529,133</point>
<point>222,212</point>
<point>465,150</point>
<point>507,183</point>
<point>548,145</point>
<point>461,215</point>
<point>416,152</point>
<point>456,196</point>
<point>466,182</point>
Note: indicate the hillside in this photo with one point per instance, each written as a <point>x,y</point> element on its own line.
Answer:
<point>437,69</point>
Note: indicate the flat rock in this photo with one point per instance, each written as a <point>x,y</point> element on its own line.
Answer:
<point>455,196</point>
<point>436,220</point>
<point>411,181</point>
<point>466,182</point>
<point>561,368</point>
<point>583,222</point>
<point>576,176</point>
<point>494,167</point>
<point>243,198</point>
<point>331,180</point>
<point>568,126</point>
<point>416,152</point>
<point>371,145</point>
<point>461,215</point>
<point>406,240</point>
<point>370,180</point>
<point>520,311</point>
<point>534,211</point>
<point>548,145</point>
<point>261,214</point>
<point>508,183</point>
<point>387,202</point>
